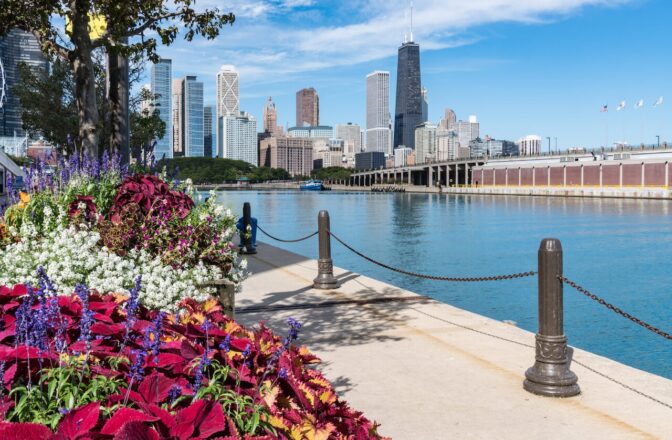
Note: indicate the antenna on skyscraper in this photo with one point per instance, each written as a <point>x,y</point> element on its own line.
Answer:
<point>411,21</point>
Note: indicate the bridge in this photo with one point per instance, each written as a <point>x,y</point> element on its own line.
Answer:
<point>449,173</point>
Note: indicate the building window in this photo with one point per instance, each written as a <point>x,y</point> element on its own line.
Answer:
<point>2,181</point>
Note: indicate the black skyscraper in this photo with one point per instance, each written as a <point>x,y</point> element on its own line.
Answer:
<point>408,111</point>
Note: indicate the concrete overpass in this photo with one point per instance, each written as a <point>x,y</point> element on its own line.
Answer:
<point>450,173</point>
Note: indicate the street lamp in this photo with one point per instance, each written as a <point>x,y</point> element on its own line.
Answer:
<point>549,144</point>
<point>658,137</point>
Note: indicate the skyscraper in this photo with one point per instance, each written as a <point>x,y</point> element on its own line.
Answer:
<point>178,98</point>
<point>467,131</point>
<point>425,105</point>
<point>207,131</point>
<point>239,137</point>
<point>192,116</point>
<point>271,119</point>
<point>228,93</point>
<point>352,139</point>
<point>162,73</point>
<point>378,131</point>
<point>18,46</point>
<point>408,109</point>
<point>449,120</point>
<point>307,107</point>
<point>425,142</point>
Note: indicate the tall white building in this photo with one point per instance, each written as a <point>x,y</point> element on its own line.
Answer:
<point>467,131</point>
<point>446,144</point>
<point>228,92</point>
<point>378,131</point>
<point>425,142</point>
<point>238,138</point>
<point>161,85</point>
<point>529,145</point>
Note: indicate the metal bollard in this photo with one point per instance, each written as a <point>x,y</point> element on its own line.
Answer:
<point>325,266</point>
<point>247,248</point>
<point>550,375</point>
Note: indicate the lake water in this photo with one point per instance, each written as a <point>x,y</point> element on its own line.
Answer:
<point>621,250</point>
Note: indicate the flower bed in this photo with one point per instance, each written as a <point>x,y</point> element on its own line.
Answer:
<point>103,366</point>
<point>91,223</point>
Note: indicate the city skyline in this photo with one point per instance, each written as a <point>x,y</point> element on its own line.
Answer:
<point>486,72</point>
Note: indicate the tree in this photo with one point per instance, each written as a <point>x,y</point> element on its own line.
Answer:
<point>48,101</point>
<point>132,27</point>
<point>146,126</point>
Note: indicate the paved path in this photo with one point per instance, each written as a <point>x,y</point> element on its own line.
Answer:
<point>427,370</point>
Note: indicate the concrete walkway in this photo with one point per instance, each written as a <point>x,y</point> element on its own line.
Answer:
<point>427,370</point>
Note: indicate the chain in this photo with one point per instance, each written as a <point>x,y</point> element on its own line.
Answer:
<point>618,382</point>
<point>286,241</point>
<point>614,308</point>
<point>574,361</point>
<point>432,277</point>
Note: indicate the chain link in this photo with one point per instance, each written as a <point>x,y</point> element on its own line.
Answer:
<point>286,241</point>
<point>433,277</point>
<point>613,308</point>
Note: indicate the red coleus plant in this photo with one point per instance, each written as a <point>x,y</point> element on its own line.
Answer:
<point>83,207</point>
<point>181,372</point>
<point>152,195</point>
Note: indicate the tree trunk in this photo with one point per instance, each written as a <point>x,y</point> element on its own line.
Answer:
<point>85,83</point>
<point>117,92</point>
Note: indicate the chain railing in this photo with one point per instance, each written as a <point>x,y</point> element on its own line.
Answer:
<point>432,277</point>
<point>550,375</point>
<point>297,240</point>
<point>615,309</point>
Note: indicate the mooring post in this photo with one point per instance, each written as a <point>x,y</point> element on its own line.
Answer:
<point>550,375</point>
<point>325,266</point>
<point>248,247</point>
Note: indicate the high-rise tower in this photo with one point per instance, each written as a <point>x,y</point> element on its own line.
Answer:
<point>378,111</point>
<point>18,46</point>
<point>408,110</point>
<point>228,93</point>
<point>307,108</point>
<point>270,117</point>
<point>162,73</point>
<point>192,119</point>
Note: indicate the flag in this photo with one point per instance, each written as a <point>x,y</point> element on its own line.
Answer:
<point>621,106</point>
<point>639,104</point>
<point>658,102</point>
<point>604,109</point>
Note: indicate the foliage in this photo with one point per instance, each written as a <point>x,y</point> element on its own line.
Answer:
<point>332,173</point>
<point>132,27</point>
<point>152,196</point>
<point>83,225</point>
<point>47,102</point>
<point>215,170</point>
<point>146,126</point>
<point>61,389</point>
<point>195,375</point>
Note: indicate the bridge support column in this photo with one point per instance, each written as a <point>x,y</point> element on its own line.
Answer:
<point>430,182</point>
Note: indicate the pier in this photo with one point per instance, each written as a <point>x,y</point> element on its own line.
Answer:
<point>427,370</point>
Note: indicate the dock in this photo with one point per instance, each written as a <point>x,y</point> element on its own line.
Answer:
<point>427,370</point>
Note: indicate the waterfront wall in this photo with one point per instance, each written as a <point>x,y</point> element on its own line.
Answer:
<point>596,174</point>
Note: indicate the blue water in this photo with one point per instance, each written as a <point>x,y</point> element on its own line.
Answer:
<point>619,249</point>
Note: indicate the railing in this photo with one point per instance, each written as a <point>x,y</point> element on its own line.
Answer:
<point>550,375</point>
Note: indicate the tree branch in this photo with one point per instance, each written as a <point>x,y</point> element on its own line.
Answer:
<point>105,39</point>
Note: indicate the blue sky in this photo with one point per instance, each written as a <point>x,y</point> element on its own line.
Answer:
<point>523,67</point>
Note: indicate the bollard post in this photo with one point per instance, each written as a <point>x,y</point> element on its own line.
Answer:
<point>325,266</point>
<point>550,375</point>
<point>247,248</point>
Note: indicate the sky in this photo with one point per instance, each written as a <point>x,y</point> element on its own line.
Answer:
<point>543,67</point>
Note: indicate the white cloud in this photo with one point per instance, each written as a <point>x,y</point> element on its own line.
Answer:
<point>266,42</point>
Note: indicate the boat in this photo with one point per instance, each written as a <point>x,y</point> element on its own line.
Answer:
<point>312,185</point>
